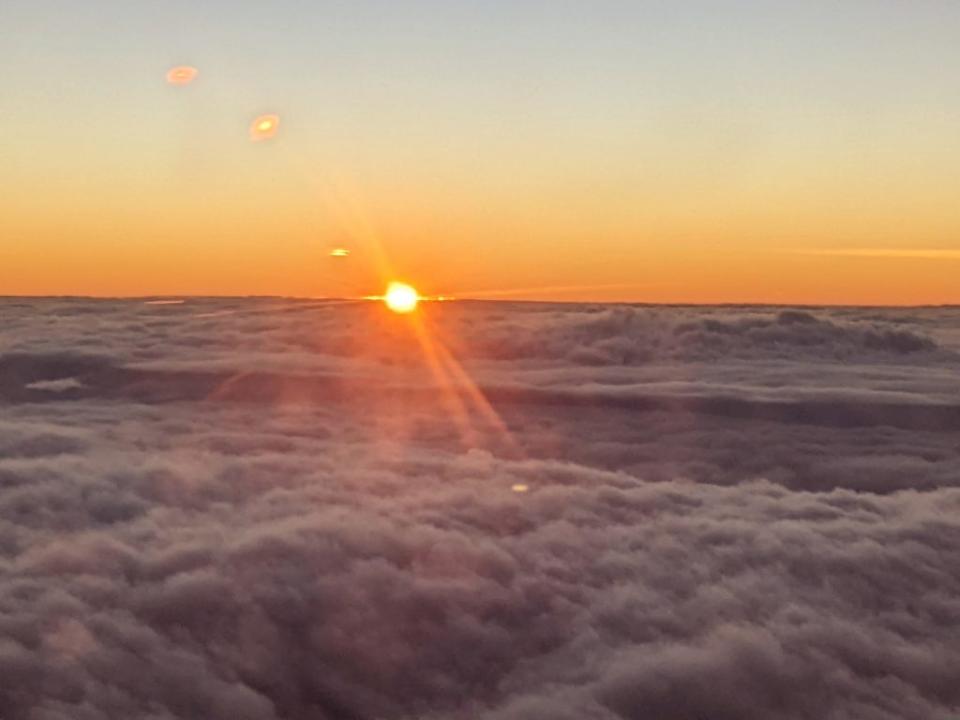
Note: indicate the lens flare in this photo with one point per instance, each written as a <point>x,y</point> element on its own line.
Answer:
<point>264,127</point>
<point>401,298</point>
<point>339,253</point>
<point>182,75</point>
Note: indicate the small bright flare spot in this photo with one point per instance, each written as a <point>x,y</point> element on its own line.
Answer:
<point>401,298</point>
<point>182,75</point>
<point>520,488</point>
<point>339,253</point>
<point>264,127</point>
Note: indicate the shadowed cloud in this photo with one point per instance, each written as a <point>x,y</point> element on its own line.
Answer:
<point>261,510</point>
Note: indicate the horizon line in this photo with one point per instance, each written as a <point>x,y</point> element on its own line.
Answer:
<point>453,299</point>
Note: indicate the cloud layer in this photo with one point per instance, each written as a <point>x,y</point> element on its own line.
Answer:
<point>272,509</point>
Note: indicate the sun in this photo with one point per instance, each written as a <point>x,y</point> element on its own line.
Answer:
<point>401,298</point>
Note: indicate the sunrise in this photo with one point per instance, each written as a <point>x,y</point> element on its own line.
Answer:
<point>500,360</point>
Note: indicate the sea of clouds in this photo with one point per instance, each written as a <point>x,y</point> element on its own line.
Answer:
<point>268,509</point>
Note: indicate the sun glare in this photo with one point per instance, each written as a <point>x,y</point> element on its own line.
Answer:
<point>401,298</point>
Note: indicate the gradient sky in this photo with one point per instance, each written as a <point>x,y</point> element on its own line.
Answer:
<point>612,150</point>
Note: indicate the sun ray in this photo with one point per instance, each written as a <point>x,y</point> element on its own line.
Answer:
<point>451,397</point>
<point>473,391</point>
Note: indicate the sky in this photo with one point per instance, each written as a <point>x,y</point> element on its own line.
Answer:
<point>701,151</point>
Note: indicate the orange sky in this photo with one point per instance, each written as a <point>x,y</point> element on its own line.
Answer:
<point>776,155</point>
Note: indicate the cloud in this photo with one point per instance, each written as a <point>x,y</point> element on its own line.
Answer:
<point>59,385</point>
<point>268,513</point>
<point>892,253</point>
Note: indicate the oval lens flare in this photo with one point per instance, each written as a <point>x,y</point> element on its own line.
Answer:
<point>182,75</point>
<point>264,127</point>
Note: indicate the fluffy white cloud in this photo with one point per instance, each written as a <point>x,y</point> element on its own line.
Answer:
<point>269,509</point>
